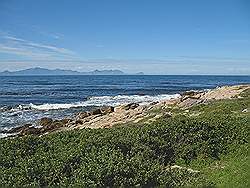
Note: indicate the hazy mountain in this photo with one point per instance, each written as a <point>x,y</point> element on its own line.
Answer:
<point>43,71</point>
<point>40,71</point>
<point>140,73</point>
<point>106,72</point>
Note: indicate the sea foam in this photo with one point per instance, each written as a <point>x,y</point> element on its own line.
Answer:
<point>107,101</point>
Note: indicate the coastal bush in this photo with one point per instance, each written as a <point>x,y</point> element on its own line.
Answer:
<point>127,156</point>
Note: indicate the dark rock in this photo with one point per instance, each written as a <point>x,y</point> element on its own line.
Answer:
<point>48,125</point>
<point>107,110</point>
<point>65,121</point>
<point>45,121</point>
<point>51,127</point>
<point>54,125</point>
<point>17,129</point>
<point>30,131</point>
<point>96,112</point>
<point>57,124</point>
<point>196,96</point>
<point>5,108</point>
<point>131,106</point>
<point>27,129</point>
<point>79,122</point>
<point>82,115</point>
<point>190,93</point>
<point>154,103</point>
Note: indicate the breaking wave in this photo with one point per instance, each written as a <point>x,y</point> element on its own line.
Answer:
<point>107,101</point>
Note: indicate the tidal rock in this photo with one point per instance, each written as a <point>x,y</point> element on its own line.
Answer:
<point>27,129</point>
<point>30,131</point>
<point>65,121</point>
<point>189,93</point>
<point>78,122</point>
<point>17,129</point>
<point>197,96</point>
<point>54,125</point>
<point>154,103</point>
<point>5,108</point>
<point>96,112</point>
<point>131,106</point>
<point>45,121</point>
<point>82,115</point>
<point>107,110</point>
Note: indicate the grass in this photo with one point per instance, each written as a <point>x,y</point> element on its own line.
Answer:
<point>232,170</point>
<point>215,142</point>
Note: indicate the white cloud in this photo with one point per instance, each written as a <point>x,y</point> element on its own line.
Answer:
<point>14,39</point>
<point>30,49</point>
<point>42,32</point>
<point>52,48</point>
<point>23,52</point>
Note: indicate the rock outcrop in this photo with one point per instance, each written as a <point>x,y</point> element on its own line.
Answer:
<point>191,98</point>
<point>109,116</point>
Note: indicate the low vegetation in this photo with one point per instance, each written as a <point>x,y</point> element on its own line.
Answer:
<point>210,149</point>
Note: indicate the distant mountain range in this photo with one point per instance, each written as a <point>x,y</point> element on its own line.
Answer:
<point>43,71</point>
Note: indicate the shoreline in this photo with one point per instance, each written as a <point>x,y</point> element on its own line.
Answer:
<point>132,113</point>
<point>198,140</point>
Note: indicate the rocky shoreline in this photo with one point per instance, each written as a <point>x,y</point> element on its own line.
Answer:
<point>132,113</point>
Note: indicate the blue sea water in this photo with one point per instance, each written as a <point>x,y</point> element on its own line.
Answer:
<point>27,98</point>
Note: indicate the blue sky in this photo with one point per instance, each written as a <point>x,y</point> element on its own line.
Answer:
<point>153,36</point>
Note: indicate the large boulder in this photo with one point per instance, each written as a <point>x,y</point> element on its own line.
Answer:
<point>45,122</point>
<point>45,125</point>
<point>17,129</point>
<point>65,121</point>
<point>82,115</point>
<point>96,112</point>
<point>131,106</point>
<point>107,109</point>
<point>190,93</point>
<point>30,131</point>
<point>77,122</point>
<point>54,125</point>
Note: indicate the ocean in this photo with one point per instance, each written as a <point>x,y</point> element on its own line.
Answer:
<point>25,99</point>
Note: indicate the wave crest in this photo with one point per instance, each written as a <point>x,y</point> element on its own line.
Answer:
<point>107,101</point>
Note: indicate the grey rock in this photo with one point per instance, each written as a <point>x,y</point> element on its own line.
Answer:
<point>82,115</point>
<point>107,110</point>
<point>45,121</point>
<point>96,112</point>
<point>131,106</point>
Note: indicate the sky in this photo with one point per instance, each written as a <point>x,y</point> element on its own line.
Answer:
<point>152,36</point>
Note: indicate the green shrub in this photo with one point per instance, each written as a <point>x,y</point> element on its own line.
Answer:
<point>126,156</point>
